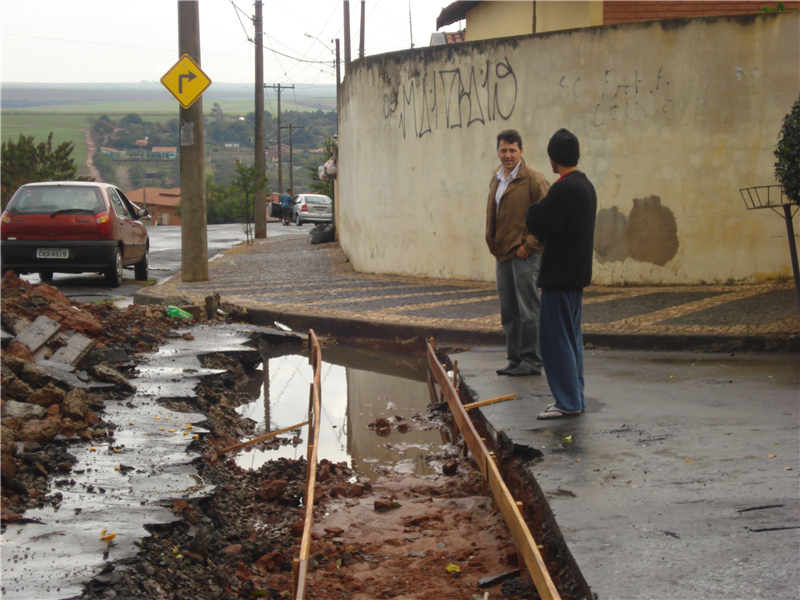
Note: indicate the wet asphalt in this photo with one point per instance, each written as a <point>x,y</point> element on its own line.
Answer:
<point>680,480</point>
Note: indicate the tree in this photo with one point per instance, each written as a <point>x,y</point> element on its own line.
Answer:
<point>25,162</point>
<point>216,112</point>
<point>132,119</point>
<point>324,187</point>
<point>246,182</point>
<point>787,168</point>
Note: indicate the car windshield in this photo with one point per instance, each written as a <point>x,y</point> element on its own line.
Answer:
<point>51,199</point>
<point>317,200</point>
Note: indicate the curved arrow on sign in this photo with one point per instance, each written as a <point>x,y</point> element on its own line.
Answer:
<point>188,76</point>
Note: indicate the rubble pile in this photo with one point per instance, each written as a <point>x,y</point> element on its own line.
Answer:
<point>61,361</point>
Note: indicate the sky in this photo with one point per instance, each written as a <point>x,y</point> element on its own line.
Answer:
<point>128,41</point>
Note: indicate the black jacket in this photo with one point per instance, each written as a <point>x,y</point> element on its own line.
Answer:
<point>564,222</point>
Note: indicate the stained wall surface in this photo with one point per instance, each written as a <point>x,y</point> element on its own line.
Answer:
<point>674,117</point>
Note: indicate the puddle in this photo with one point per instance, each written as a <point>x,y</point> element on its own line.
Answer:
<point>358,387</point>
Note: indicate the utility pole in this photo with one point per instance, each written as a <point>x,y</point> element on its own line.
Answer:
<point>338,76</point>
<point>280,87</point>
<point>291,128</point>
<point>194,234</point>
<point>361,35</point>
<point>346,36</point>
<point>260,199</point>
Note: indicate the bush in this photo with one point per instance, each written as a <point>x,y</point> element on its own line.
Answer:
<point>787,168</point>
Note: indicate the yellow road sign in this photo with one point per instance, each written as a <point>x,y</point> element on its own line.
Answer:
<point>186,81</point>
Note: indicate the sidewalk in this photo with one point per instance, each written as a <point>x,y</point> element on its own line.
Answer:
<point>305,286</point>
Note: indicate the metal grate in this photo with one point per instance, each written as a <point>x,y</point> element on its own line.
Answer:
<point>765,196</point>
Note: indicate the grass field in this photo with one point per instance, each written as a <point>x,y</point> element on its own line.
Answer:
<point>165,109</point>
<point>65,128</point>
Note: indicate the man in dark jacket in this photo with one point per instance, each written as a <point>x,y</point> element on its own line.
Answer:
<point>513,188</point>
<point>564,222</point>
<point>286,206</point>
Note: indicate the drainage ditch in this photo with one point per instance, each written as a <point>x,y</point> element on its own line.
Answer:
<point>219,529</point>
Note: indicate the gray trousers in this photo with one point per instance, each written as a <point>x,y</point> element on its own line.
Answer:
<point>519,308</point>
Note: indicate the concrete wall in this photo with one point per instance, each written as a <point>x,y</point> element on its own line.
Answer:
<point>673,117</point>
<point>491,20</point>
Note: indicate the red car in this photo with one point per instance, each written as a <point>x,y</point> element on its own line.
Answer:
<point>73,227</point>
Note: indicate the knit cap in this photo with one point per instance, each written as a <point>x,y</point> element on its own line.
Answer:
<point>564,148</point>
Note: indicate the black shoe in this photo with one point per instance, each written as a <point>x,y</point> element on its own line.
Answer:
<point>510,366</point>
<point>523,370</point>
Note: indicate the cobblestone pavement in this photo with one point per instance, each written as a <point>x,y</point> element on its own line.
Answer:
<point>289,275</point>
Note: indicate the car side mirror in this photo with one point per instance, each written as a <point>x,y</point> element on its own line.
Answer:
<point>142,212</point>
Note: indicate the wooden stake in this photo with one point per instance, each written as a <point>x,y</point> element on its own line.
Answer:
<point>260,438</point>
<point>489,401</point>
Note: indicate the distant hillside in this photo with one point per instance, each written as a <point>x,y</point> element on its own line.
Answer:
<point>150,97</point>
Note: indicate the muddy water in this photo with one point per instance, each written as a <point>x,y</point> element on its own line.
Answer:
<point>358,387</point>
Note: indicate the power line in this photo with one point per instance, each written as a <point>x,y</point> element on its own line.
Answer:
<point>238,10</point>
<point>170,50</point>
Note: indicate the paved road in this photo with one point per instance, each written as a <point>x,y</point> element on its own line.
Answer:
<point>165,261</point>
<point>679,481</point>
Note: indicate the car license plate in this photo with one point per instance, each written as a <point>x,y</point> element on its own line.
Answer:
<point>52,253</point>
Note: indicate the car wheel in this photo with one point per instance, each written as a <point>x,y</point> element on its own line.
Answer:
<point>45,276</point>
<point>140,268</point>
<point>297,220</point>
<point>113,274</point>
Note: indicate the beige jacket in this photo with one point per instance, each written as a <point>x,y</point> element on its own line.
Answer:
<point>505,225</point>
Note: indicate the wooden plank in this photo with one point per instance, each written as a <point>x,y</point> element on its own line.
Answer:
<point>260,438</point>
<point>500,493</point>
<point>77,348</point>
<point>315,408</point>
<point>37,333</point>
<point>472,405</point>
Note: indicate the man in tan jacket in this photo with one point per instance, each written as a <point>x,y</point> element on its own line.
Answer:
<point>515,186</point>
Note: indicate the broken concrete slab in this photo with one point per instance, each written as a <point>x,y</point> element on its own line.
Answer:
<point>35,335</point>
<point>76,350</point>
<point>39,375</point>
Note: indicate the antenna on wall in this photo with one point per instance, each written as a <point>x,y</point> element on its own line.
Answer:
<point>410,31</point>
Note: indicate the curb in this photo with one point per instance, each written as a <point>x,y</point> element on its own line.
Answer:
<point>401,336</point>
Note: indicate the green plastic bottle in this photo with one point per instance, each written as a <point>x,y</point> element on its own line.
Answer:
<point>177,313</point>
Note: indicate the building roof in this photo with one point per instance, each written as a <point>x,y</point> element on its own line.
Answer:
<point>155,196</point>
<point>453,12</point>
<point>441,38</point>
<point>164,149</point>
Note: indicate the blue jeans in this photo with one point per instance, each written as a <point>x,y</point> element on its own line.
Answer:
<point>562,346</point>
<point>519,308</point>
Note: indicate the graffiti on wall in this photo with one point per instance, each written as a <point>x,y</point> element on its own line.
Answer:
<point>453,98</point>
<point>622,95</point>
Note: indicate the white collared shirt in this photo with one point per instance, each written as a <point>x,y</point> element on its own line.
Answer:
<point>504,181</point>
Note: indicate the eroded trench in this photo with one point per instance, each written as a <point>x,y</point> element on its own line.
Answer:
<point>124,487</point>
